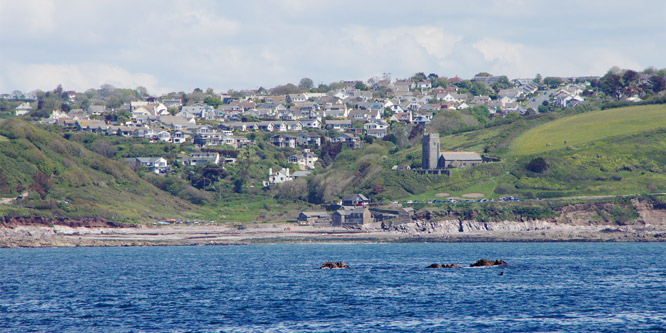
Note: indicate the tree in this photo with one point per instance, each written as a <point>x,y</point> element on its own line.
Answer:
<point>537,79</point>
<point>306,83</point>
<point>611,85</point>
<point>360,86</point>
<point>552,82</point>
<point>420,76</point>
<point>213,101</point>
<point>440,82</point>
<point>58,90</point>
<point>629,77</point>
<point>42,184</point>
<point>658,83</point>
<point>104,148</point>
<point>141,91</point>
<point>285,89</point>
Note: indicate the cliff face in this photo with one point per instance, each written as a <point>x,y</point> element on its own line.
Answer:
<point>637,220</point>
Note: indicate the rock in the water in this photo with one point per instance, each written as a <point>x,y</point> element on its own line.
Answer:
<point>443,266</point>
<point>487,262</point>
<point>331,265</point>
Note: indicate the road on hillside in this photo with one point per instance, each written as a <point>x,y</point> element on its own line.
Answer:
<point>7,201</point>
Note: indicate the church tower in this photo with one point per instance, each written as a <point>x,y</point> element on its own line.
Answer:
<point>430,151</point>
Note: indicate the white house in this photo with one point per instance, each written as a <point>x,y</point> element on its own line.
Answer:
<point>278,177</point>
<point>203,158</point>
<point>156,164</point>
<point>23,109</point>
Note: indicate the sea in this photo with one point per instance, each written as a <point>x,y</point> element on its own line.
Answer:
<point>572,287</point>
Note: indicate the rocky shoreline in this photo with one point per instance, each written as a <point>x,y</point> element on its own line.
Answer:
<point>104,234</point>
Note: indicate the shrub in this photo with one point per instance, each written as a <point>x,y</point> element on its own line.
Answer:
<point>537,165</point>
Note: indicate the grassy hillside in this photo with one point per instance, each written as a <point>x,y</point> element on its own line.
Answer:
<point>587,127</point>
<point>614,152</point>
<point>65,179</point>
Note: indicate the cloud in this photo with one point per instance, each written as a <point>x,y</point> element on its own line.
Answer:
<point>27,17</point>
<point>79,77</point>
<point>183,44</point>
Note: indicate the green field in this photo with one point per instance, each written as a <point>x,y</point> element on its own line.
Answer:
<point>587,127</point>
<point>3,138</point>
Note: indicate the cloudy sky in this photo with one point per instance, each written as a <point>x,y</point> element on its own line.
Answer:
<point>181,45</point>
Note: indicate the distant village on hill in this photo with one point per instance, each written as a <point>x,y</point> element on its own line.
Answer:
<point>314,123</point>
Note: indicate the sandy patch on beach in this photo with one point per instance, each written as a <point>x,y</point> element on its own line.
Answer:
<point>473,195</point>
<point>443,194</point>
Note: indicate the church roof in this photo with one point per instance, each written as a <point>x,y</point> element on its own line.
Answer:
<point>460,156</point>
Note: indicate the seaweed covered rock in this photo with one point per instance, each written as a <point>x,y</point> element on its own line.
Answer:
<point>443,266</point>
<point>332,265</point>
<point>487,262</point>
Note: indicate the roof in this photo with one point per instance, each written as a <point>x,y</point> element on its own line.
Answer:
<point>349,197</point>
<point>316,214</point>
<point>461,156</point>
<point>301,174</point>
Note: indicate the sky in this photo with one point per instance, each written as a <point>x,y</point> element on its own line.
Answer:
<point>178,45</point>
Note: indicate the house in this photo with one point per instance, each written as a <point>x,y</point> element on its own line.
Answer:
<point>176,122</point>
<point>275,99</point>
<point>203,158</point>
<point>23,109</point>
<point>377,132</point>
<point>95,126</point>
<point>352,217</point>
<point>358,114</point>
<point>295,98</point>
<point>422,118</point>
<point>283,141</point>
<point>269,126</point>
<point>199,110</point>
<point>481,99</point>
<point>173,103</point>
<point>302,173</point>
<point>163,136</point>
<point>355,200</point>
<point>293,126</point>
<point>96,110</point>
<point>307,139</point>
<point>458,159</point>
<point>348,140</point>
<point>311,123</point>
<point>401,167</point>
<point>156,164</point>
<point>133,105</point>
<point>278,176</point>
<point>339,125</point>
<point>305,160</point>
<point>336,111</point>
<point>405,117</point>
<point>179,137</point>
<point>423,84</point>
<point>314,218</point>
<point>376,124</point>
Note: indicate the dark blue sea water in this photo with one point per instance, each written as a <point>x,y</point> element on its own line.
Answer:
<point>546,287</point>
